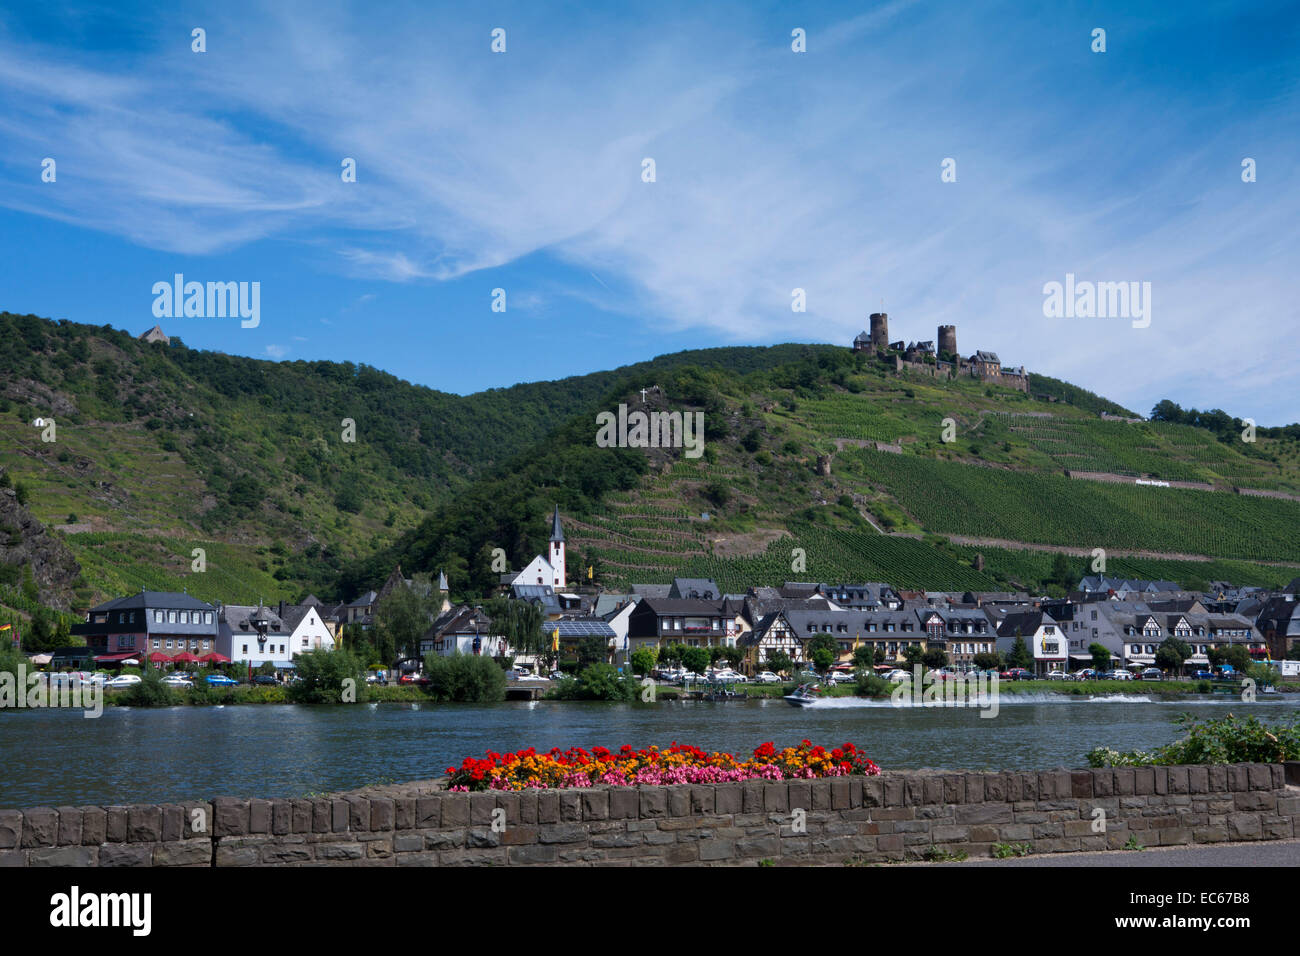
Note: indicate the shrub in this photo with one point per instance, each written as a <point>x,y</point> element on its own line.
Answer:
<point>643,660</point>
<point>150,692</point>
<point>465,678</point>
<point>322,676</point>
<point>597,682</point>
<point>1229,739</point>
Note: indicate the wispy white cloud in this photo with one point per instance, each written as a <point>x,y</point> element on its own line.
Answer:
<point>774,171</point>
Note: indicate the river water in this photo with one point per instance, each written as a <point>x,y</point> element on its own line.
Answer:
<point>57,757</point>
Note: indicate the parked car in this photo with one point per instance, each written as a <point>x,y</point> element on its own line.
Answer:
<point>221,680</point>
<point>842,677</point>
<point>268,680</point>
<point>1120,675</point>
<point>419,679</point>
<point>123,680</point>
<point>1016,673</point>
<point>897,675</point>
<point>731,677</point>
<point>1203,675</point>
<point>1152,673</point>
<point>1057,675</point>
<point>1086,673</point>
<point>767,677</point>
<point>177,680</point>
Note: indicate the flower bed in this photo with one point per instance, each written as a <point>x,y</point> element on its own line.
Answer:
<point>680,763</point>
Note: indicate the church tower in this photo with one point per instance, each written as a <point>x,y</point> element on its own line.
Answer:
<point>557,549</point>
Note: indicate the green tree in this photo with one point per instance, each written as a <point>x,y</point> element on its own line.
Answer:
<point>988,661</point>
<point>328,677</point>
<point>935,657</point>
<point>597,682</point>
<point>465,678</point>
<point>864,657</point>
<point>1171,654</point>
<point>1020,656</point>
<point>404,616</point>
<point>520,623</point>
<point>778,662</point>
<point>593,649</point>
<point>696,659</point>
<point>1100,656</point>
<point>823,641</point>
<point>823,659</point>
<point>644,660</point>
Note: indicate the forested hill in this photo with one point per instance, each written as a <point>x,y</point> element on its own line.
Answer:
<point>161,449</point>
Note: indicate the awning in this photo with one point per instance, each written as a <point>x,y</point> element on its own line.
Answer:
<point>284,665</point>
<point>113,658</point>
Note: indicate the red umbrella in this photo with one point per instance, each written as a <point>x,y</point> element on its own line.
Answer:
<point>186,657</point>
<point>215,658</point>
<point>158,657</point>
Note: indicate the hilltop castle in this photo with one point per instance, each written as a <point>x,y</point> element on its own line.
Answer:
<point>944,363</point>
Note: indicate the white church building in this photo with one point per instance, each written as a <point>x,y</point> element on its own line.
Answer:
<point>547,568</point>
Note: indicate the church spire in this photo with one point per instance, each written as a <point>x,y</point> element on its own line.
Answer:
<point>557,533</point>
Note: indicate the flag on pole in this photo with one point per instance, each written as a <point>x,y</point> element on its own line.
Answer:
<point>590,569</point>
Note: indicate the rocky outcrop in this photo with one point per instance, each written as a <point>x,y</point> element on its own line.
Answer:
<point>26,543</point>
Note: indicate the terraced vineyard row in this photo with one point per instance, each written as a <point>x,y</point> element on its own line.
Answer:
<point>1051,509</point>
<point>837,556</point>
<point>1168,451</point>
<point>1024,566</point>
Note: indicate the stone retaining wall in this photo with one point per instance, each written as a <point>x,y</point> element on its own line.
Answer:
<point>895,816</point>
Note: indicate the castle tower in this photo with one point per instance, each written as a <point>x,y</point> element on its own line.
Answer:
<point>557,549</point>
<point>879,330</point>
<point>948,339</point>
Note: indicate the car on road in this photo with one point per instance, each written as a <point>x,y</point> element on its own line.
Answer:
<point>842,677</point>
<point>123,680</point>
<point>221,680</point>
<point>729,676</point>
<point>1016,673</point>
<point>897,675</point>
<point>177,680</point>
<point>1121,675</point>
<point>267,680</point>
<point>767,677</point>
<point>1152,673</point>
<point>1086,674</point>
<point>419,679</point>
<point>1203,675</point>
<point>1057,675</point>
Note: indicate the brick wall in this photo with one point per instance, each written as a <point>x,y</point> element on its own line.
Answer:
<point>891,817</point>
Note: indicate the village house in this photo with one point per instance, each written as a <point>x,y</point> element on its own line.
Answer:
<point>165,622</point>
<point>254,635</point>
<point>1042,635</point>
<point>308,630</point>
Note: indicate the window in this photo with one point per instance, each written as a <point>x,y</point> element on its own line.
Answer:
<point>121,617</point>
<point>185,617</point>
<point>157,617</point>
<point>245,648</point>
<point>304,642</point>
<point>171,617</point>
<point>207,617</point>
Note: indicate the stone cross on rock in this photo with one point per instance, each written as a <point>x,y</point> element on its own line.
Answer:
<point>643,396</point>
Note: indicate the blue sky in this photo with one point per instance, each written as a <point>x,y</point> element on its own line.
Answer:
<point>775,171</point>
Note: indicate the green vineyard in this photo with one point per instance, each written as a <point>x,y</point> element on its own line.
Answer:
<point>969,500</point>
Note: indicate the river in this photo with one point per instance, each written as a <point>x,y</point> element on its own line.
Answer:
<point>57,757</point>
